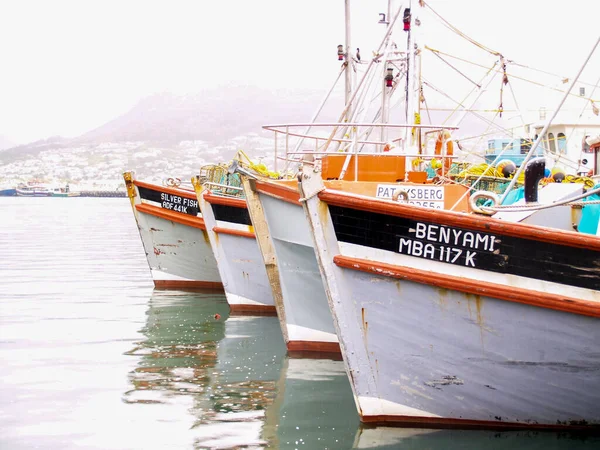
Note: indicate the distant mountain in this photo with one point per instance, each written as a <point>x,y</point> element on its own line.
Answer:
<point>32,149</point>
<point>212,116</point>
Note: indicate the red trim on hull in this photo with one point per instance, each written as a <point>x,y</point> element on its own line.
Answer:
<point>471,221</point>
<point>227,201</point>
<point>312,346</point>
<point>170,190</point>
<point>279,191</point>
<point>245,309</point>
<point>222,230</point>
<point>188,285</point>
<point>475,287</point>
<point>183,219</point>
<point>467,424</point>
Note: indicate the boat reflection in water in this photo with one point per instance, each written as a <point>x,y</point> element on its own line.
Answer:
<point>222,368</point>
<point>231,375</point>
<point>225,381</point>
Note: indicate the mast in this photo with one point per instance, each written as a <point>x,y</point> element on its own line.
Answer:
<point>386,91</point>
<point>410,76</point>
<point>348,74</point>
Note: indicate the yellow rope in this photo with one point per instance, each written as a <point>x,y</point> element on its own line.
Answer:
<point>259,168</point>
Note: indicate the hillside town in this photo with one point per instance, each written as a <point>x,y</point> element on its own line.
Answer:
<point>100,166</point>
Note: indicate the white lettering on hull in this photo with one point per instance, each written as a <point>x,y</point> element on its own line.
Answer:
<point>459,246</point>
<point>177,203</point>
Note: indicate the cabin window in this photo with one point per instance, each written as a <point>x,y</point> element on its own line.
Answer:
<point>552,142</point>
<point>562,143</point>
<point>525,146</point>
<point>544,142</point>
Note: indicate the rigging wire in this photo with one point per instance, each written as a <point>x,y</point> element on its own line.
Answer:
<point>433,50</point>
<point>460,33</point>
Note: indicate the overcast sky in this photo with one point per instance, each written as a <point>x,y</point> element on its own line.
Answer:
<point>68,66</point>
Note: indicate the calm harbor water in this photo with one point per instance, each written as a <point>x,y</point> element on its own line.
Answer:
<point>92,357</point>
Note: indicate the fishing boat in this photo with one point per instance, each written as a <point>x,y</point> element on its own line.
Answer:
<point>63,192</point>
<point>173,234</point>
<point>33,190</point>
<point>445,319</point>
<point>233,241</point>
<point>359,157</point>
<point>282,230</point>
<point>8,191</point>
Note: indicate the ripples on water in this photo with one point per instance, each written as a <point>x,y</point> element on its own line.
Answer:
<point>94,358</point>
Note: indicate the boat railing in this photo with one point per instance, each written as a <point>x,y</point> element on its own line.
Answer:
<point>352,138</point>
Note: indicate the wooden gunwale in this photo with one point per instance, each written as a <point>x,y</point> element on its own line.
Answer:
<point>226,201</point>
<point>279,191</point>
<point>467,424</point>
<point>470,221</point>
<point>233,232</point>
<point>173,216</point>
<point>476,287</point>
<point>188,285</point>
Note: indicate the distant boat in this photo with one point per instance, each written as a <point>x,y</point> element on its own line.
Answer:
<point>7,192</point>
<point>63,192</point>
<point>33,191</point>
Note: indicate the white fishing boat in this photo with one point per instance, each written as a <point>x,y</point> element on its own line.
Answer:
<point>173,234</point>
<point>33,190</point>
<point>461,320</point>
<point>233,241</point>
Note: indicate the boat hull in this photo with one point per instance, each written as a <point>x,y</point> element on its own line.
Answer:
<point>176,243</point>
<point>8,192</point>
<point>288,247</point>
<point>32,192</point>
<point>306,319</point>
<point>430,343</point>
<point>238,257</point>
<point>441,356</point>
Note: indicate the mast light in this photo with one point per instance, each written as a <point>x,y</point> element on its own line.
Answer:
<point>389,78</point>
<point>406,19</point>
